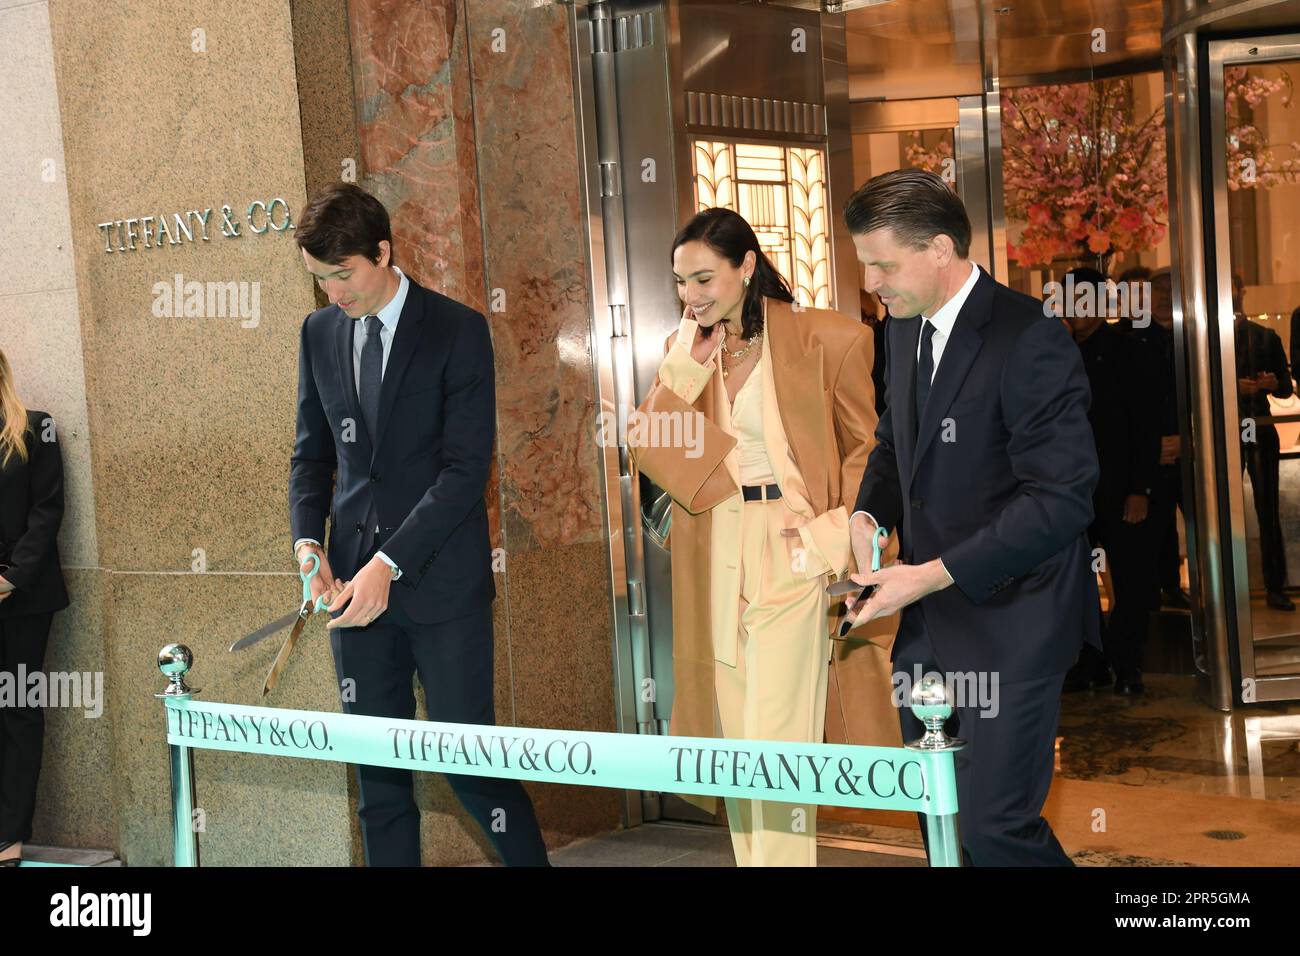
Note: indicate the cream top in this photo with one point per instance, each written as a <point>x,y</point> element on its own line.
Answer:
<point>747,425</point>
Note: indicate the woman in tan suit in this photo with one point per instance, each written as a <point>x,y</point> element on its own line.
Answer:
<point>761,506</point>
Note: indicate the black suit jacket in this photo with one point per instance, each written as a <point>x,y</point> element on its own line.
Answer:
<point>1259,349</point>
<point>1124,375</point>
<point>427,468</point>
<point>31,510</point>
<point>997,481</point>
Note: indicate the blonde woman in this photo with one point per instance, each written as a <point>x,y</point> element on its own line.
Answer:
<point>760,519</point>
<point>31,590</point>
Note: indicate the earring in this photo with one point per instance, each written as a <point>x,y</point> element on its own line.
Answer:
<point>746,282</point>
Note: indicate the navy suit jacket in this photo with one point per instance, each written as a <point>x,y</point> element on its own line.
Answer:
<point>997,481</point>
<point>427,468</point>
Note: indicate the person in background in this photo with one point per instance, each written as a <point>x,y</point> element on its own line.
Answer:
<point>1158,336</point>
<point>1123,375</point>
<point>1133,274</point>
<point>31,590</point>
<point>871,316</point>
<point>1262,371</point>
<point>1295,336</point>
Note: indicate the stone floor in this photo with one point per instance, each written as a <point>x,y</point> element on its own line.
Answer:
<point>1170,739</point>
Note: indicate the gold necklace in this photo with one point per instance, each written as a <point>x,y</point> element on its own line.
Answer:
<point>739,356</point>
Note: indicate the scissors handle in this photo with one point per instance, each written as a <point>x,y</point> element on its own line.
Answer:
<point>878,547</point>
<point>321,602</point>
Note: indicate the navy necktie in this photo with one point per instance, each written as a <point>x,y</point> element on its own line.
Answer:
<point>924,369</point>
<point>372,376</point>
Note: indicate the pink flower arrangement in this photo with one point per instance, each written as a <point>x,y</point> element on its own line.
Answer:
<point>1084,175</point>
<point>1251,158</point>
<point>928,159</point>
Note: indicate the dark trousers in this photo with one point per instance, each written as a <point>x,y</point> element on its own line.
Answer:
<point>1130,555</point>
<point>22,728</point>
<point>454,663</point>
<point>1261,461</point>
<point>1166,500</point>
<point>1005,769</point>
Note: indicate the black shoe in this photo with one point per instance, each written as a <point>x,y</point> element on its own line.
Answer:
<point>1175,598</point>
<point>1129,686</point>
<point>1279,601</point>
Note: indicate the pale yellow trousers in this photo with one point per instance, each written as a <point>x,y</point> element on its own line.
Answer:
<point>777,690</point>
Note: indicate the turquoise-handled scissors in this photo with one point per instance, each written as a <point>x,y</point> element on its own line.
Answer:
<point>305,609</point>
<point>841,588</point>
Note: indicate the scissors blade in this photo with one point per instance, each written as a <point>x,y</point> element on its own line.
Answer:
<point>841,588</point>
<point>282,657</point>
<point>264,632</point>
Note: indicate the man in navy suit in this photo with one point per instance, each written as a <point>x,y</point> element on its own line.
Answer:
<point>396,411</point>
<point>985,466</point>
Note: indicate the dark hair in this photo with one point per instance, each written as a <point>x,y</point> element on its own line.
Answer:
<point>344,220</point>
<point>1135,274</point>
<point>913,204</point>
<point>1085,275</point>
<point>727,234</point>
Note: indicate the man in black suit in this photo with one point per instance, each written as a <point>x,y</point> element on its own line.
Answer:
<point>985,466</point>
<point>1262,371</point>
<point>1158,335</point>
<point>1124,376</point>
<point>396,397</point>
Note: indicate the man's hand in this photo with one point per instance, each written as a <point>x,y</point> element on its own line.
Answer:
<point>1266,381</point>
<point>896,587</point>
<point>4,594</point>
<point>323,582</point>
<point>1135,509</point>
<point>1169,449</point>
<point>861,532</point>
<point>368,594</point>
<point>1247,386</point>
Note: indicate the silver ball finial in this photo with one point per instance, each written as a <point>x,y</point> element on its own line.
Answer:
<point>175,661</point>
<point>931,706</point>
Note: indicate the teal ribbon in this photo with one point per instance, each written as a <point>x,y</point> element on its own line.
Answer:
<point>872,778</point>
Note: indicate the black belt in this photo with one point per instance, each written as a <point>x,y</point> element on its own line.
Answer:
<point>760,492</point>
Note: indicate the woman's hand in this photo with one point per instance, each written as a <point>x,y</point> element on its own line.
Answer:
<point>703,346</point>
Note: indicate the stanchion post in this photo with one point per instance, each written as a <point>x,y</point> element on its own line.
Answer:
<point>932,708</point>
<point>174,661</point>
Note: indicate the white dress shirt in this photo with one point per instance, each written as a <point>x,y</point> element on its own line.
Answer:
<point>389,316</point>
<point>944,318</point>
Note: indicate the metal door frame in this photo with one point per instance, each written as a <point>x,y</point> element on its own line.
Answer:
<point>1221,54</point>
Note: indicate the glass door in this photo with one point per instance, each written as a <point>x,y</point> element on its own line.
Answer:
<point>1254,315</point>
